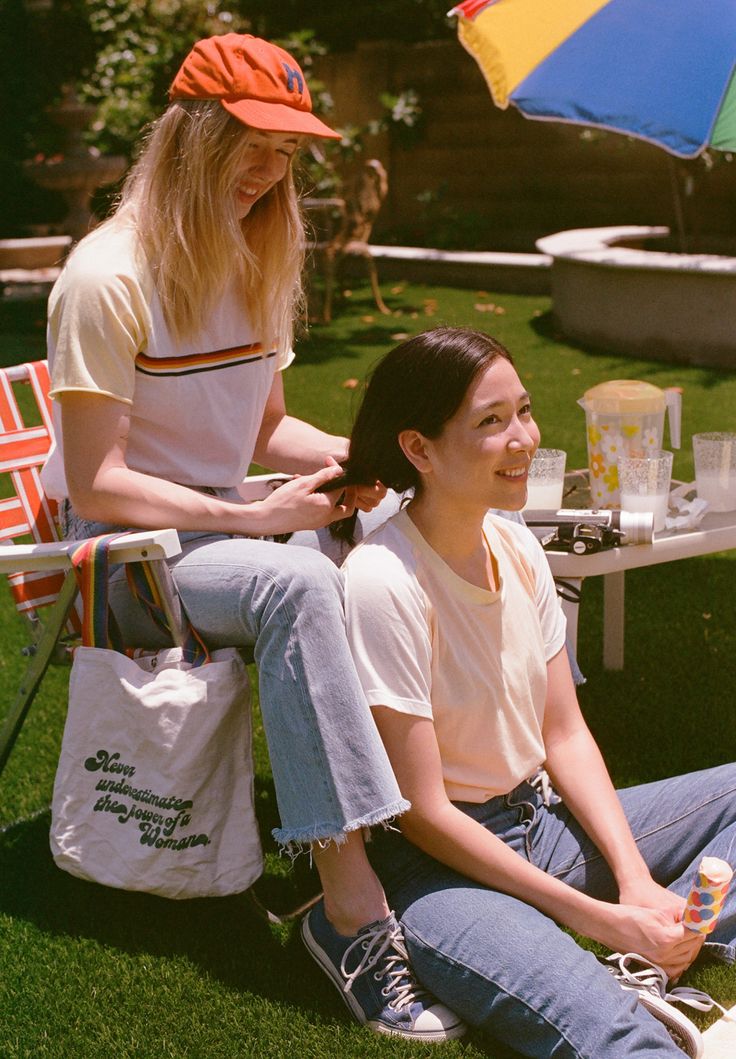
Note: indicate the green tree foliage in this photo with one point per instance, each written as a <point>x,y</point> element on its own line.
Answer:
<point>122,55</point>
<point>140,45</point>
<point>119,54</point>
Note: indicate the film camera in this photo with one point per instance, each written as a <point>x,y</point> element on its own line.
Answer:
<point>584,532</point>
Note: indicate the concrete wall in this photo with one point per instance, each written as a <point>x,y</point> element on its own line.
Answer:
<point>674,307</point>
<point>502,180</point>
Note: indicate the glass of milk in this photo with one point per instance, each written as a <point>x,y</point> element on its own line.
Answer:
<point>644,483</point>
<point>715,469</point>
<point>546,480</point>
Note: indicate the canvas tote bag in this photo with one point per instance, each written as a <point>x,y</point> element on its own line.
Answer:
<point>154,787</point>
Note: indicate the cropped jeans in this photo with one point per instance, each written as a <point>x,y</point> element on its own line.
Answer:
<point>330,770</point>
<point>512,971</point>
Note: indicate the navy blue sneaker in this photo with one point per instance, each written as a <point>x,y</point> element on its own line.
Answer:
<point>374,977</point>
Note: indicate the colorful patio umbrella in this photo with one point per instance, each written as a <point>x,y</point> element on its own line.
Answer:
<point>659,70</point>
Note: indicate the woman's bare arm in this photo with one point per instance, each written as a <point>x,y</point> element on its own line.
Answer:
<point>103,488</point>
<point>436,826</point>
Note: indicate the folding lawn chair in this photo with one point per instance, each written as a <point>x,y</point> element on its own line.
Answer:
<point>36,559</point>
<point>365,194</point>
<point>40,573</point>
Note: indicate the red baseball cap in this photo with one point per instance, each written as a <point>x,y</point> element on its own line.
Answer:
<point>257,82</point>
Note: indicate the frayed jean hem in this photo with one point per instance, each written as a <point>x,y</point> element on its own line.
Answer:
<point>296,841</point>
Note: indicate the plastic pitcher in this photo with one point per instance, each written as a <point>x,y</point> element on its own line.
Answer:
<point>625,418</point>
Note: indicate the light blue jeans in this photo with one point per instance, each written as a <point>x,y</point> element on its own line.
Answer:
<point>329,767</point>
<point>509,969</point>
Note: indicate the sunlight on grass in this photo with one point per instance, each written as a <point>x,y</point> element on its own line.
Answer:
<point>87,972</point>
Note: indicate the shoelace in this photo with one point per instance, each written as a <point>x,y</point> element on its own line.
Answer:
<point>653,979</point>
<point>375,945</point>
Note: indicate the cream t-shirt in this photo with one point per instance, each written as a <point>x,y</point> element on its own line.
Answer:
<point>428,643</point>
<point>196,406</point>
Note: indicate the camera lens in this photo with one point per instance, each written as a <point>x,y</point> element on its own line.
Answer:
<point>637,527</point>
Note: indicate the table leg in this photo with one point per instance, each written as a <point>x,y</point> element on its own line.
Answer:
<point>613,620</point>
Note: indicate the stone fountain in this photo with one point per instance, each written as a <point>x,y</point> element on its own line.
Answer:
<point>28,267</point>
<point>77,170</point>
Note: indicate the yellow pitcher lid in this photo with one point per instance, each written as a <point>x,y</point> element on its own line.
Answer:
<point>623,396</point>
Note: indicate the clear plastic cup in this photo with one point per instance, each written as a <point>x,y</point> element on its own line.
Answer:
<point>644,484</point>
<point>715,469</point>
<point>546,480</point>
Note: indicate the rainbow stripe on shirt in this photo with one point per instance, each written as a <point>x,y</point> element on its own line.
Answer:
<point>192,363</point>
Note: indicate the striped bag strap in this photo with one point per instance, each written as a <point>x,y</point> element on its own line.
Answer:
<point>144,588</point>
<point>91,563</point>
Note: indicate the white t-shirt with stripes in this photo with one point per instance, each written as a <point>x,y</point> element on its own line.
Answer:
<point>196,406</point>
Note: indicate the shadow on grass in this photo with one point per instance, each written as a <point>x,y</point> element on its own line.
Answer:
<point>357,323</point>
<point>547,328</point>
<point>221,936</point>
<point>214,933</point>
<point>22,332</point>
<point>671,709</point>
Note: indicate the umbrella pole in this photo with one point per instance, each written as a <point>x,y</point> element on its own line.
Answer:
<point>677,203</point>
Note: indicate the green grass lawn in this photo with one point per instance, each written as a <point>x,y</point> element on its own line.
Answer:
<point>87,972</point>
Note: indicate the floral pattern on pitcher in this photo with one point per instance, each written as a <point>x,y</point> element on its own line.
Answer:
<point>613,447</point>
<point>604,450</point>
<point>605,447</point>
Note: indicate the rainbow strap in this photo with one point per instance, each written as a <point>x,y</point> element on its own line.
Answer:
<point>90,560</point>
<point>91,563</point>
<point>143,587</point>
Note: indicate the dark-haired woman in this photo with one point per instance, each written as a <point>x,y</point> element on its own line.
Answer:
<point>458,640</point>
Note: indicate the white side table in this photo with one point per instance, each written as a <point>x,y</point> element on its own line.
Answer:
<point>716,533</point>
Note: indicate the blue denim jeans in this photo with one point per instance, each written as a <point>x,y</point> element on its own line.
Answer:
<point>509,969</point>
<point>329,767</point>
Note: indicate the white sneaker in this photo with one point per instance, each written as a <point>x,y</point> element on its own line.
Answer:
<point>634,973</point>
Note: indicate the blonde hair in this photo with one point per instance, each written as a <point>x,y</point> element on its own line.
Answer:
<point>180,197</point>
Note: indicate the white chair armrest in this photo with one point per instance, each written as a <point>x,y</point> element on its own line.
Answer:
<point>259,486</point>
<point>131,548</point>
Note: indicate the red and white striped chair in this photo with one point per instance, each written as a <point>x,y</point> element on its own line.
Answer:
<point>32,554</point>
<point>40,572</point>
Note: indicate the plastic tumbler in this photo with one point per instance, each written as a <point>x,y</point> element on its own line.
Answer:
<point>715,469</point>
<point>546,480</point>
<point>644,483</point>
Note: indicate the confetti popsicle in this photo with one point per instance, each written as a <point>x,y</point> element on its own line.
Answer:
<point>707,895</point>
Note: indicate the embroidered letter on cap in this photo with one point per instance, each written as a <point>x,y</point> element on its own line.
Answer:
<point>293,75</point>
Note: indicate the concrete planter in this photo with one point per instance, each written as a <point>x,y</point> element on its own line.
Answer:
<point>657,305</point>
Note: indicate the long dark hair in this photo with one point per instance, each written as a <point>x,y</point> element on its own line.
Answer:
<point>419,385</point>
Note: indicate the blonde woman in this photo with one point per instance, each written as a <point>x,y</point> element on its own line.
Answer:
<point>169,329</point>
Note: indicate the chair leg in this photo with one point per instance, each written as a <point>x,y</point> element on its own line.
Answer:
<point>42,654</point>
<point>274,918</point>
<point>329,274</point>
<point>378,298</point>
<point>170,602</point>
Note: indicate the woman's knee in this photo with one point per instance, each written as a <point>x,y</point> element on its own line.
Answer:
<point>232,588</point>
<point>511,971</point>
<point>307,585</point>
